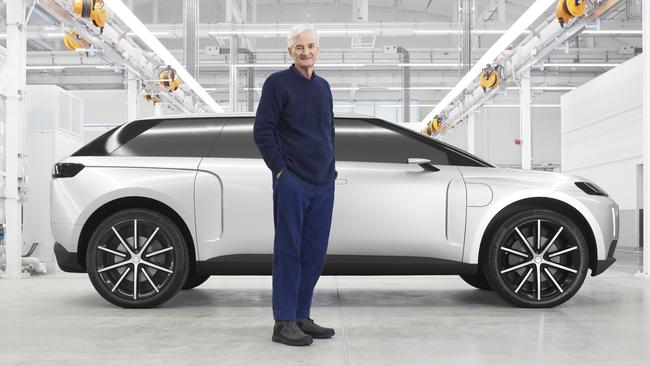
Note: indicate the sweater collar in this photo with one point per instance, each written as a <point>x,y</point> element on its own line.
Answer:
<point>313,74</point>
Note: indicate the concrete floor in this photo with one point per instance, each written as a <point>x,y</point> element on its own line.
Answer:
<point>60,319</point>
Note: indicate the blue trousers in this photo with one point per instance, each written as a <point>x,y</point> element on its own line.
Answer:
<point>302,213</point>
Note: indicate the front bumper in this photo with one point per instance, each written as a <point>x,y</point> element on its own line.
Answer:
<point>602,265</point>
<point>67,261</point>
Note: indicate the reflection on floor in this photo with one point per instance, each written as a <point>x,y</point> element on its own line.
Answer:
<point>60,319</point>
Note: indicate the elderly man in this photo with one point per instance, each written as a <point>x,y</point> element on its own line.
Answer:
<point>294,131</point>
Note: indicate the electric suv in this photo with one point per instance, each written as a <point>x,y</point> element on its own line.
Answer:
<point>158,205</point>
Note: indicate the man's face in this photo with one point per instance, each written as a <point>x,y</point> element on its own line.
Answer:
<point>304,50</point>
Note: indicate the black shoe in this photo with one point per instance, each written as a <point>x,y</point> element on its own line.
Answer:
<point>289,333</point>
<point>316,331</point>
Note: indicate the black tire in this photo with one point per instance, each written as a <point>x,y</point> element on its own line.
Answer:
<point>478,281</point>
<point>160,259</point>
<point>534,274</point>
<point>194,280</point>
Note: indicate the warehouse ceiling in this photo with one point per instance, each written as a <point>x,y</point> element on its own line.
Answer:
<point>392,22</point>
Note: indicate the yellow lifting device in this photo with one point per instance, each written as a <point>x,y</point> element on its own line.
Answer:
<point>491,76</point>
<point>169,80</point>
<point>435,126</point>
<point>72,40</point>
<point>91,9</point>
<point>150,97</point>
<point>568,9</point>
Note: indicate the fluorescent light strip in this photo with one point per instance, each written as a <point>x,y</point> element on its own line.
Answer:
<point>286,32</point>
<point>61,67</point>
<point>261,66</point>
<point>401,105</point>
<point>420,88</point>
<point>537,9</point>
<point>613,32</point>
<point>154,33</point>
<point>452,65</point>
<point>55,35</point>
<point>578,65</point>
<point>517,105</point>
<point>454,31</point>
<point>123,12</point>
<point>547,88</point>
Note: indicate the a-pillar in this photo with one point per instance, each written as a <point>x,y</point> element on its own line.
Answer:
<point>525,134</point>
<point>14,130</point>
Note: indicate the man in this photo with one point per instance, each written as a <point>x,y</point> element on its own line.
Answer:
<point>294,131</point>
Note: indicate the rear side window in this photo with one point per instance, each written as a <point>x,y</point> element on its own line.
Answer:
<point>236,140</point>
<point>359,140</point>
<point>174,138</point>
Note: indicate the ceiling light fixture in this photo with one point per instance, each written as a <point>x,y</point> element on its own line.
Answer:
<point>578,65</point>
<point>614,31</point>
<point>124,13</point>
<point>531,14</point>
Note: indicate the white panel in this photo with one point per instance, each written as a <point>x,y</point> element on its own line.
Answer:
<point>602,129</point>
<point>64,110</point>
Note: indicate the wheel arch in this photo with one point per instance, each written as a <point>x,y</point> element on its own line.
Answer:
<point>132,202</point>
<point>541,203</point>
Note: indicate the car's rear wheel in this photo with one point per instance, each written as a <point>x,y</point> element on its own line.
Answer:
<point>137,258</point>
<point>478,281</point>
<point>538,258</point>
<point>194,280</point>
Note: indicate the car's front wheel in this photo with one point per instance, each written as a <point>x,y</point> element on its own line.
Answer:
<point>137,258</point>
<point>537,258</point>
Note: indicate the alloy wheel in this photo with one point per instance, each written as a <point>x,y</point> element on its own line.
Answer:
<point>537,261</point>
<point>135,259</point>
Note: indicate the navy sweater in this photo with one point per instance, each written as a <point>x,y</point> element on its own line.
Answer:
<point>294,126</point>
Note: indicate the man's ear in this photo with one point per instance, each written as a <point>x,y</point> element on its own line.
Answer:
<point>289,49</point>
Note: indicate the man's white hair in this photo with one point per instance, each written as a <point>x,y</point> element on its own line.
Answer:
<point>299,29</point>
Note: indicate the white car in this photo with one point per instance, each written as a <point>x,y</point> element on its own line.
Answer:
<point>157,205</point>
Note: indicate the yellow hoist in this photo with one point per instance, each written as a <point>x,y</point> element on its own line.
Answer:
<point>491,76</point>
<point>150,97</point>
<point>169,80</point>
<point>73,41</point>
<point>91,9</point>
<point>434,127</point>
<point>568,9</point>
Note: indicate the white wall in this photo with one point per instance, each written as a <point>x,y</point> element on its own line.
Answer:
<point>602,136</point>
<point>497,128</point>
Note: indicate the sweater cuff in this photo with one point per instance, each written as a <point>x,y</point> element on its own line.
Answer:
<point>277,166</point>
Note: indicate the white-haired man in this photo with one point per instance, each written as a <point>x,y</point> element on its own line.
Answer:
<point>294,131</point>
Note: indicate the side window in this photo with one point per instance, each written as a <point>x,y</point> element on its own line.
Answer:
<point>359,140</point>
<point>236,140</point>
<point>174,138</point>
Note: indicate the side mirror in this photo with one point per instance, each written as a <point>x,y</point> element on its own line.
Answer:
<point>423,163</point>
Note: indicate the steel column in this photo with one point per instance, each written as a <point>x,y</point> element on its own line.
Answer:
<point>14,132</point>
<point>524,120</point>
<point>191,39</point>
<point>646,140</point>
<point>131,96</point>
<point>471,133</point>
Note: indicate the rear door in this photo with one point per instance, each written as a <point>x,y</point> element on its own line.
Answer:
<point>234,201</point>
<point>386,207</point>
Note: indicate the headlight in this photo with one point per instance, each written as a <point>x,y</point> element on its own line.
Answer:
<point>591,189</point>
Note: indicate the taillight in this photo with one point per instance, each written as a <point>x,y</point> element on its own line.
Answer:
<point>66,170</point>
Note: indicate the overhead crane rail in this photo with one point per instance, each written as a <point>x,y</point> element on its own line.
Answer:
<point>534,47</point>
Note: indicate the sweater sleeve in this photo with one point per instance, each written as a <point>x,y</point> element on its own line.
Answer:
<point>267,116</point>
